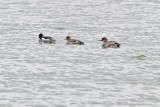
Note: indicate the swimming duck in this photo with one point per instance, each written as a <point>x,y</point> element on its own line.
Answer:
<point>73,41</point>
<point>107,44</point>
<point>49,39</point>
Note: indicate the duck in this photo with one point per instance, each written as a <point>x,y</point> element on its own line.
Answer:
<point>48,39</point>
<point>109,44</point>
<point>73,41</point>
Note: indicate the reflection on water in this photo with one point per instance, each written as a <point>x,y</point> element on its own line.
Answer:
<point>34,74</point>
<point>47,42</point>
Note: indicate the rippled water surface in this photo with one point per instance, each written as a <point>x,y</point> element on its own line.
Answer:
<point>60,75</point>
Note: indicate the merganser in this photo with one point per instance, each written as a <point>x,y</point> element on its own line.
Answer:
<point>107,44</point>
<point>73,41</point>
<point>49,39</point>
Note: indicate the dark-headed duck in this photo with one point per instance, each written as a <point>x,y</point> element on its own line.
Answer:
<point>48,39</point>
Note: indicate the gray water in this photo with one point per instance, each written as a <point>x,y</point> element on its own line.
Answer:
<point>60,75</point>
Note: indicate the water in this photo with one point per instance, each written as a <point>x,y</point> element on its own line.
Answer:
<point>59,75</point>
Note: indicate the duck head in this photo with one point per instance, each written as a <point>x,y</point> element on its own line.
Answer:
<point>68,38</point>
<point>104,39</point>
<point>40,36</point>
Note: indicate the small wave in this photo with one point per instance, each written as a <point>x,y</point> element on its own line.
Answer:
<point>60,28</point>
<point>139,57</point>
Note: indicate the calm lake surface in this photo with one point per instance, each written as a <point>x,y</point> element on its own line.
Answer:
<point>60,75</point>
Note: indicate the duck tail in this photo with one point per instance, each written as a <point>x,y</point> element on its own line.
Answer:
<point>81,43</point>
<point>118,45</point>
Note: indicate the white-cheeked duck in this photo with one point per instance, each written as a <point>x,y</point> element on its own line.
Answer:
<point>46,39</point>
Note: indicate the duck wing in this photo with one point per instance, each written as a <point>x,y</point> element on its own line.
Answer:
<point>49,37</point>
<point>113,44</point>
<point>74,41</point>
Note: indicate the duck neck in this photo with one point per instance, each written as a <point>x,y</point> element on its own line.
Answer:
<point>105,42</point>
<point>68,42</point>
<point>40,39</point>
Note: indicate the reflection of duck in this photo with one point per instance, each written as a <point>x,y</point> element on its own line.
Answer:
<point>73,41</point>
<point>107,44</point>
<point>48,39</point>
